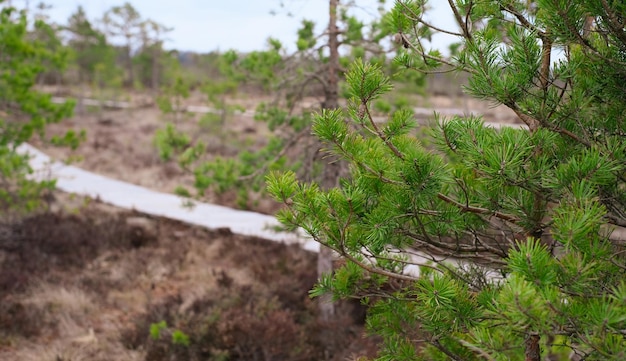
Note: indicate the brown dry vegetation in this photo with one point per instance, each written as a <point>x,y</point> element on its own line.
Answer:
<point>87,282</point>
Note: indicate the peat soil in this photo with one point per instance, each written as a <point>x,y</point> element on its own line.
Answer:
<point>87,281</point>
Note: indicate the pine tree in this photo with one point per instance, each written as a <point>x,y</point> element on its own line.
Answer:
<point>490,244</point>
<point>151,56</point>
<point>24,111</point>
<point>125,22</point>
<point>89,45</point>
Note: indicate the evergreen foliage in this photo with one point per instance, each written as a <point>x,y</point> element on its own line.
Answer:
<point>496,244</point>
<point>90,48</point>
<point>124,22</point>
<point>25,112</point>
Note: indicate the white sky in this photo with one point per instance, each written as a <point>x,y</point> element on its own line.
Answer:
<point>245,25</point>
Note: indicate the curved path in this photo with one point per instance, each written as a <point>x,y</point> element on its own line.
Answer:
<point>129,196</point>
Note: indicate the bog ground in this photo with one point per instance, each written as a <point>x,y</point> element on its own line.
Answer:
<point>86,281</point>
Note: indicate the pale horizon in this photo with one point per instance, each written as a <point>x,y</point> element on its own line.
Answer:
<point>206,26</point>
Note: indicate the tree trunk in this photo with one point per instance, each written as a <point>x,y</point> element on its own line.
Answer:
<point>325,266</point>
<point>331,93</point>
<point>331,169</point>
<point>533,349</point>
<point>331,100</point>
<point>129,64</point>
<point>155,67</point>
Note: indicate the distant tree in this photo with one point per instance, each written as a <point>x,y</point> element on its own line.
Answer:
<point>89,45</point>
<point>125,22</point>
<point>172,95</point>
<point>151,55</point>
<point>25,112</point>
<point>502,244</point>
<point>48,36</point>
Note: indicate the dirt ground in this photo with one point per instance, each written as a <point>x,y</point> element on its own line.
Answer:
<point>86,281</point>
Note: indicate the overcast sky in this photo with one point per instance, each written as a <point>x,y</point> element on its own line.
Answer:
<point>245,25</point>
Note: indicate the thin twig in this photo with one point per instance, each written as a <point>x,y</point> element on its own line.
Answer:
<point>478,210</point>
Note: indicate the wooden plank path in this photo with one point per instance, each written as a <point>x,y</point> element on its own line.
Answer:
<point>129,196</point>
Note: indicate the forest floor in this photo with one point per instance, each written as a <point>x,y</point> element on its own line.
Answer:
<point>86,281</point>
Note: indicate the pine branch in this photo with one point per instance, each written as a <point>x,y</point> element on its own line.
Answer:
<point>419,18</point>
<point>522,19</point>
<point>480,352</point>
<point>380,134</point>
<point>405,40</point>
<point>459,20</point>
<point>440,347</point>
<point>455,251</point>
<point>373,269</point>
<point>478,210</point>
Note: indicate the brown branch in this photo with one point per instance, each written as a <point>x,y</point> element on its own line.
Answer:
<point>443,349</point>
<point>478,210</point>
<point>427,72</point>
<point>406,263</point>
<point>613,22</point>
<point>532,350</point>
<point>459,20</point>
<point>468,21</point>
<point>546,52</point>
<point>405,40</point>
<point>419,18</point>
<point>529,120</point>
<point>456,251</point>
<point>480,352</point>
<point>421,50</point>
<point>376,270</point>
<point>380,134</point>
<point>525,23</point>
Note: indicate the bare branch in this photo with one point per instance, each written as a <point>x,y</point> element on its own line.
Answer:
<point>262,170</point>
<point>420,19</point>
<point>380,134</point>
<point>459,20</point>
<point>478,210</point>
<point>440,60</point>
<point>525,23</point>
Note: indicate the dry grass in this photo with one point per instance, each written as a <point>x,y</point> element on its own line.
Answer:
<point>66,316</point>
<point>77,351</point>
<point>64,302</point>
